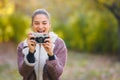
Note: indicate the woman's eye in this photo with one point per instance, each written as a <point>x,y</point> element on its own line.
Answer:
<point>36,23</point>
<point>44,23</point>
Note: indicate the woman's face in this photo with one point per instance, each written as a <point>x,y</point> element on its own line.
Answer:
<point>41,24</point>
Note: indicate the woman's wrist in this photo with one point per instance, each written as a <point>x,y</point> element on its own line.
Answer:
<point>50,54</point>
<point>32,51</point>
<point>51,57</point>
<point>30,57</point>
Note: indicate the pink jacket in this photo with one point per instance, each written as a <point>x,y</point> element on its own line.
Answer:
<point>52,69</point>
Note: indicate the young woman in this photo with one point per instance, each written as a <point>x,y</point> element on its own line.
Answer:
<point>41,61</point>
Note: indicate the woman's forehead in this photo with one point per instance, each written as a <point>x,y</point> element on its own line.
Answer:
<point>41,17</point>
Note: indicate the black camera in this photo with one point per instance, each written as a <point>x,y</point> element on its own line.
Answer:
<point>40,37</point>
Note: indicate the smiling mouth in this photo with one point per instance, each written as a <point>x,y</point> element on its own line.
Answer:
<point>40,31</point>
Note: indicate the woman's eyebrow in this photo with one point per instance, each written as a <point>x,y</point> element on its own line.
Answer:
<point>44,21</point>
<point>36,21</point>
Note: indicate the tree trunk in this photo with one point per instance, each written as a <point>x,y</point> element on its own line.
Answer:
<point>118,39</point>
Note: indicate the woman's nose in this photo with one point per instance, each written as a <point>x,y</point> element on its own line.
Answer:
<point>40,26</point>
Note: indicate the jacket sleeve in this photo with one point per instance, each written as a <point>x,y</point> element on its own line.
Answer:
<point>55,67</point>
<point>24,69</point>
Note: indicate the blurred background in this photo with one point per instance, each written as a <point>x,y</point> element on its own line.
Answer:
<point>90,29</point>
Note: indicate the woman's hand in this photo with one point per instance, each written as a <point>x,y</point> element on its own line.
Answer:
<point>31,43</point>
<point>48,46</point>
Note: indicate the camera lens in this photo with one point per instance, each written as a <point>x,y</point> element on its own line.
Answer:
<point>39,40</point>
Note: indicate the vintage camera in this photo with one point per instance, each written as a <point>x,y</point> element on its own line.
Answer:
<point>40,37</point>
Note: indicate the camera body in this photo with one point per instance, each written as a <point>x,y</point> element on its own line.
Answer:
<point>40,37</point>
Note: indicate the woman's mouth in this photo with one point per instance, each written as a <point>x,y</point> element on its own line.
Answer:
<point>41,31</point>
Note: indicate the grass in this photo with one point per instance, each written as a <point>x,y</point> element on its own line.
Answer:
<point>9,73</point>
<point>78,67</point>
<point>90,67</point>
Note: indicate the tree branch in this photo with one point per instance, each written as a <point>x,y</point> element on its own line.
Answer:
<point>111,8</point>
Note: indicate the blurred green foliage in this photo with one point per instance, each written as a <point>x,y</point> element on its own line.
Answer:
<point>82,24</point>
<point>13,24</point>
<point>92,31</point>
<point>20,24</point>
<point>90,28</point>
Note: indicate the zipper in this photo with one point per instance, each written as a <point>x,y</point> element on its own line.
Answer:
<point>39,62</point>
